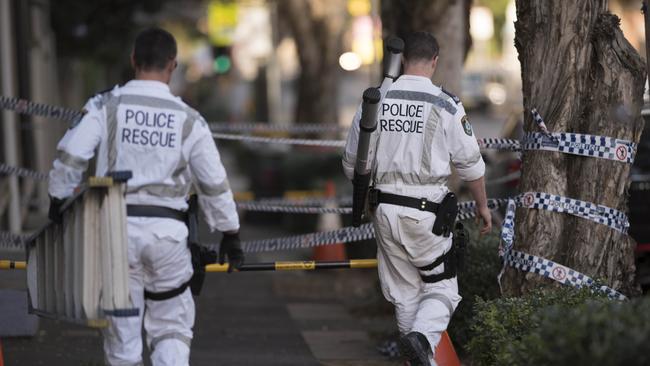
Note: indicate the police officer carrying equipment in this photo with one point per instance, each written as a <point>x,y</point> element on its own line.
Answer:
<point>141,127</point>
<point>421,130</point>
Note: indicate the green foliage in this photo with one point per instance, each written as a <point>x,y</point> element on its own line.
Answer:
<point>560,326</point>
<point>477,280</point>
<point>591,333</point>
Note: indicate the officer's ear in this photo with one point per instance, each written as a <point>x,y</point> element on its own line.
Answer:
<point>434,62</point>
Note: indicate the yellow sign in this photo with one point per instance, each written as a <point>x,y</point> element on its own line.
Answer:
<point>222,21</point>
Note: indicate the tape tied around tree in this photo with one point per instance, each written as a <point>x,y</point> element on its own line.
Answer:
<point>594,146</point>
<point>541,266</point>
<point>603,215</point>
<point>557,272</point>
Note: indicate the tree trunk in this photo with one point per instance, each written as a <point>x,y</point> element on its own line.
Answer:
<point>448,20</point>
<point>317,27</point>
<point>582,76</point>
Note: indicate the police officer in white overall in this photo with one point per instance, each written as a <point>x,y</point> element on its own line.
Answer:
<point>141,127</point>
<point>423,130</point>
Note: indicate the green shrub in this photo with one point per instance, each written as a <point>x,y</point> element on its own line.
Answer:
<point>478,279</point>
<point>591,333</point>
<point>541,326</point>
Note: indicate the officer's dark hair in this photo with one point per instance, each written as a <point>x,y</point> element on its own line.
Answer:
<point>153,49</point>
<point>420,46</point>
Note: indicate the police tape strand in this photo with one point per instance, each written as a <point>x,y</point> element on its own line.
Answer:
<point>569,143</point>
<point>22,172</point>
<point>280,140</point>
<point>259,127</point>
<point>604,215</point>
<point>23,106</point>
<point>541,266</point>
<point>311,240</point>
<point>557,272</point>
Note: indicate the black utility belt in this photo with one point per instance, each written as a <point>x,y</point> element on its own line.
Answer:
<point>155,211</point>
<point>445,211</point>
<point>375,197</point>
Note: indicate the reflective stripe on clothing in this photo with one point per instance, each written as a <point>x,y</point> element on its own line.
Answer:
<point>177,336</point>
<point>441,298</point>
<point>415,96</point>
<point>408,178</point>
<point>74,162</point>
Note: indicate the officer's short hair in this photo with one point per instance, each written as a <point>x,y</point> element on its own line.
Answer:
<point>420,46</point>
<point>153,49</point>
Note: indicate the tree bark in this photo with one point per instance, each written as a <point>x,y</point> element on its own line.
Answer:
<point>582,76</point>
<point>448,20</point>
<point>317,27</point>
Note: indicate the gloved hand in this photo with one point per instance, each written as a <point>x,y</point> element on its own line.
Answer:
<point>231,247</point>
<point>54,214</point>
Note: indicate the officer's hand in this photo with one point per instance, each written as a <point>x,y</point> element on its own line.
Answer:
<point>231,247</point>
<point>484,214</point>
<point>54,213</point>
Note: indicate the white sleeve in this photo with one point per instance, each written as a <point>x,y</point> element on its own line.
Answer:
<point>350,153</point>
<point>215,197</point>
<point>463,148</point>
<point>74,150</point>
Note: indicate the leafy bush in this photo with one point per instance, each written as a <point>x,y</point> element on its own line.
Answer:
<point>478,279</point>
<point>592,333</point>
<point>560,326</point>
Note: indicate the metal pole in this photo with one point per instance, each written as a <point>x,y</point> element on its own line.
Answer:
<point>254,267</point>
<point>8,88</point>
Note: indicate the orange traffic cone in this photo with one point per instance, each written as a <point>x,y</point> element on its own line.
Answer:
<point>329,222</point>
<point>445,352</point>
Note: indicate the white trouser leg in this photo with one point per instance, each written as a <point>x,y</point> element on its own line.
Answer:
<point>168,323</point>
<point>123,336</point>
<point>437,303</point>
<point>399,282</point>
<point>406,242</point>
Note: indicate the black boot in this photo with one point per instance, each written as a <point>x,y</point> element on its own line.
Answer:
<point>415,347</point>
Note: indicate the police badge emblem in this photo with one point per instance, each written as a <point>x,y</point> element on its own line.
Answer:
<point>467,127</point>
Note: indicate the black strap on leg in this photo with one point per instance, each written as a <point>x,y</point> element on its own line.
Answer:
<point>165,295</point>
<point>449,260</point>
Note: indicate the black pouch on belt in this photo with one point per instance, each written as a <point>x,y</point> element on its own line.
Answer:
<point>446,215</point>
<point>201,255</point>
<point>460,242</point>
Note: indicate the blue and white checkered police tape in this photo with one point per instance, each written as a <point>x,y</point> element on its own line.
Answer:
<point>557,272</point>
<point>582,144</point>
<point>604,215</point>
<point>578,144</point>
<point>541,266</point>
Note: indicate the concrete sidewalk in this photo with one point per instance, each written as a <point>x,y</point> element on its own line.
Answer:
<point>253,318</point>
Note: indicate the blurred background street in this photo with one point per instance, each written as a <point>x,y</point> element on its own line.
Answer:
<point>277,62</point>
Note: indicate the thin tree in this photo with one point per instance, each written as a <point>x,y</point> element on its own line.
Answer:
<point>448,20</point>
<point>583,76</point>
<point>317,27</point>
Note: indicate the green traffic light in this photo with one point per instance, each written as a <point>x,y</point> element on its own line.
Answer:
<point>221,64</point>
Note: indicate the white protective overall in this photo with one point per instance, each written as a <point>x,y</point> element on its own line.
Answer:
<point>168,146</point>
<point>421,130</point>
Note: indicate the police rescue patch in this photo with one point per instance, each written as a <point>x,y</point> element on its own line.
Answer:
<point>467,127</point>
